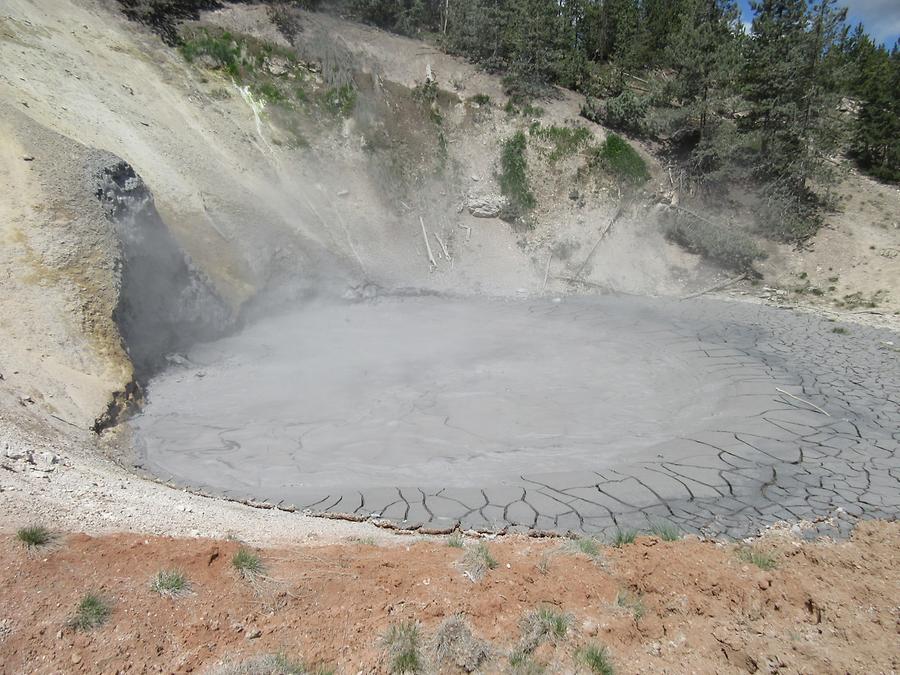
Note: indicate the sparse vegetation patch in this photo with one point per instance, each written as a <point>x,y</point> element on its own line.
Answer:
<point>93,611</point>
<point>631,602</point>
<point>513,174</point>
<point>564,141</point>
<point>762,560</point>
<point>271,664</point>
<point>596,659</point>
<point>403,645</point>
<point>170,583</point>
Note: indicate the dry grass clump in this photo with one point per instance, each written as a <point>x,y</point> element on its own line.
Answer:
<point>544,624</point>
<point>270,664</point>
<point>403,645</point>
<point>596,659</point>
<point>454,645</point>
<point>478,561</point>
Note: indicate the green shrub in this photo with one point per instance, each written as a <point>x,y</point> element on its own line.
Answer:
<point>729,246</point>
<point>481,99</point>
<point>455,540</point>
<point>92,611</point>
<point>221,46</point>
<point>34,536</point>
<point>626,111</point>
<point>596,659</point>
<point>617,157</point>
<point>513,174</point>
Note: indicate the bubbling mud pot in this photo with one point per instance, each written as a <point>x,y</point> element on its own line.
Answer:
<point>577,414</point>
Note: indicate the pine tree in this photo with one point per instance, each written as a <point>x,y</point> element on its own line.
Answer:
<point>876,137</point>
<point>790,85</point>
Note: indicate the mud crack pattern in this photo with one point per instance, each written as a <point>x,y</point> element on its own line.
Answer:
<point>806,426</point>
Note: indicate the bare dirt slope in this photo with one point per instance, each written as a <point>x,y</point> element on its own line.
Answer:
<point>656,606</point>
<point>853,263</point>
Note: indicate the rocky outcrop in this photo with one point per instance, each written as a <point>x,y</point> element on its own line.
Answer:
<point>486,206</point>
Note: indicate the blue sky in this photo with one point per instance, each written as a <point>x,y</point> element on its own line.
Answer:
<point>880,17</point>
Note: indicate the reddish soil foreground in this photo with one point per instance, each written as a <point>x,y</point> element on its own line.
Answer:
<point>824,608</point>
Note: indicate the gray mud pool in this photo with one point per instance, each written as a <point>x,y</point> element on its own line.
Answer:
<point>582,415</point>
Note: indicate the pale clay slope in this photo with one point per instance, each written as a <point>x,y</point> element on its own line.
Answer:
<point>84,72</point>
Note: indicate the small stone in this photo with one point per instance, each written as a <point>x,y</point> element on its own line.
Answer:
<point>237,627</point>
<point>253,633</point>
<point>76,659</point>
<point>590,627</point>
<point>764,583</point>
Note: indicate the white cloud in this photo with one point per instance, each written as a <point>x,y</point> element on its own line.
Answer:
<point>880,17</point>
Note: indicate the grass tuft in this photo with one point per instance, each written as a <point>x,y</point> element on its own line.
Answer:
<point>623,537</point>
<point>456,540</point>
<point>666,531</point>
<point>521,663</point>
<point>478,561</point>
<point>247,563</point>
<point>34,536</point>
<point>596,659</point>
<point>762,560</point>
<point>92,612</point>
<point>170,583</point>
<point>587,545</point>
<point>402,642</point>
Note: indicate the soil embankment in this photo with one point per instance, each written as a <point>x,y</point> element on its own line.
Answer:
<point>656,606</point>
